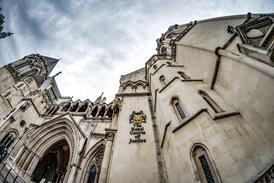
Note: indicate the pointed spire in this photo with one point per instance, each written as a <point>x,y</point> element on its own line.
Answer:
<point>60,72</point>
<point>99,99</point>
<point>50,63</point>
<point>5,34</point>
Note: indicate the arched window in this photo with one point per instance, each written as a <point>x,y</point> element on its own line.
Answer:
<point>49,110</point>
<point>74,108</point>
<point>66,106</point>
<point>8,139</point>
<point>162,80</point>
<point>83,108</point>
<point>102,111</point>
<point>178,108</point>
<point>56,108</point>
<point>210,101</point>
<point>94,111</point>
<point>109,112</point>
<point>94,171</point>
<point>204,166</point>
<point>183,75</point>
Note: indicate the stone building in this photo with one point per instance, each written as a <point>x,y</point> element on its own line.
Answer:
<point>200,110</point>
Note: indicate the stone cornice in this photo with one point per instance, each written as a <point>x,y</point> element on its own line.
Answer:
<point>133,94</point>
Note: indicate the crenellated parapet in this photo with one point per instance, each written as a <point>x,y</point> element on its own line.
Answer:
<point>88,109</point>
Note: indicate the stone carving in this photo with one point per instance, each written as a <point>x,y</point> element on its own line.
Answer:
<point>137,119</point>
<point>109,135</point>
<point>117,105</point>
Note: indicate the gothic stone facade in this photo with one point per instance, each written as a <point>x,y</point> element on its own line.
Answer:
<point>201,110</point>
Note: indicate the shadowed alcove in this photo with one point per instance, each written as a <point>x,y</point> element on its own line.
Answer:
<point>53,165</point>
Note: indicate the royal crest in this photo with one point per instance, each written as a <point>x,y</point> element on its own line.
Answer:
<point>137,118</point>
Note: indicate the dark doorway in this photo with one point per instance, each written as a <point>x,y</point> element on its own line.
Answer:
<point>52,166</point>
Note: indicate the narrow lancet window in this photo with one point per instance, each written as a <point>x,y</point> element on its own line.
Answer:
<point>178,108</point>
<point>205,169</point>
<point>210,101</point>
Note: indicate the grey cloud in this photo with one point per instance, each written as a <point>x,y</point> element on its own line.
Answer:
<point>98,40</point>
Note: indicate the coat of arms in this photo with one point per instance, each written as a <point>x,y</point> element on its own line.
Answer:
<point>137,118</point>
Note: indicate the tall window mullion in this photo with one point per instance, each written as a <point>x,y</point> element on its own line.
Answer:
<point>204,166</point>
<point>178,108</point>
<point>207,172</point>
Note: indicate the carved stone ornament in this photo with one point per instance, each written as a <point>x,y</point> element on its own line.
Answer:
<point>117,105</point>
<point>137,117</point>
<point>137,131</point>
<point>109,136</point>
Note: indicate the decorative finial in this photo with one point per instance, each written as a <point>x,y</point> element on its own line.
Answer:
<point>60,72</point>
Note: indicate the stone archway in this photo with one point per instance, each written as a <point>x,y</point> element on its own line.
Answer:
<point>53,164</point>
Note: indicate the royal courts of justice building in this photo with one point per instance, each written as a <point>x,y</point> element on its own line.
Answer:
<point>200,110</point>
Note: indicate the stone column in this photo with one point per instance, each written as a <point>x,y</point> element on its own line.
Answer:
<point>71,174</point>
<point>28,160</point>
<point>105,164</point>
<point>24,157</point>
<point>35,159</point>
<point>19,155</point>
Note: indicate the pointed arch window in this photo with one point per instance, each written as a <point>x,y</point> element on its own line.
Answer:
<point>8,139</point>
<point>83,107</point>
<point>178,108</point>
<point>183,75</point>
<point>109,112</point>
<point>94,111</point>
<point>205,169</point>
<point>163,80</point>
<point>55,110</point>
<point>94,171</point>
<point>210,101</point>
<point>102,111</point>
<point>74,108</point>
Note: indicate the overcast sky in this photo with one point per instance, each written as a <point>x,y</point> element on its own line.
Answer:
<point>99,40</point>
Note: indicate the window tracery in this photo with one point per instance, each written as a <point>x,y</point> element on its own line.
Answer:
<point>94,111</point>
<point>204,166</point>
<point>94,171</point>
<point>8,139</point>
<point>178,108</point>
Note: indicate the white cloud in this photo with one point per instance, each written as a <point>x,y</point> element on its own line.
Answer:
<point>100,40</point>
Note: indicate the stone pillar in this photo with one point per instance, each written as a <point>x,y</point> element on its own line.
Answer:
<point>35,159</point>
<point>27,162</point>
<point>71,174</point>
<point>24,157</point>
<point>105,164</point>
<point>19,155</point>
